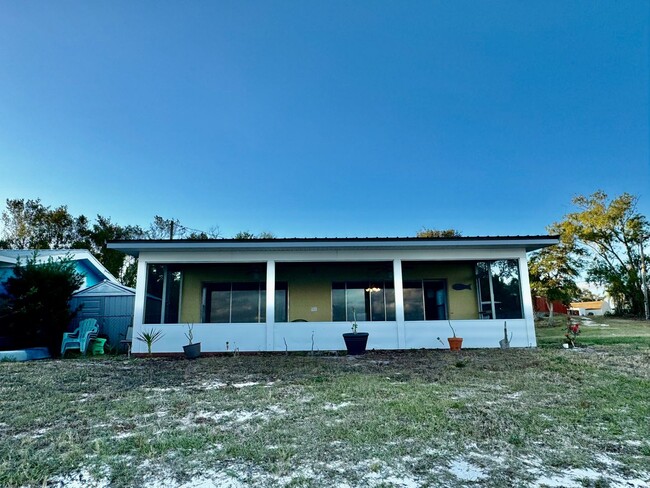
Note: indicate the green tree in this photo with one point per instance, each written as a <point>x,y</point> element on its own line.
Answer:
<point>36,303</point>
<point>586,295</point>
<point>433,233</point>
<point>119,264</point>
<point>162,228</point>
<point>21,223</point>
<point>553,270</point>
<point>28,224</point>
<point>610,231</point>
<point>244,234</point>
<point>212,233</point>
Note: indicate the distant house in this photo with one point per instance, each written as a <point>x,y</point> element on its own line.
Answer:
<point>299,294</point>
<point>599,307</point>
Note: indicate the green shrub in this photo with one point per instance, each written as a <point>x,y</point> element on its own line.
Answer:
<point>36,306</point>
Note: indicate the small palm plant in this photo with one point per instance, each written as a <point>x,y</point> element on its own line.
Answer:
<point>149,337</point>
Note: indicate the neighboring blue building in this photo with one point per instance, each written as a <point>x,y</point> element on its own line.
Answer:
<point>86,264</point>
<point>101,296</point>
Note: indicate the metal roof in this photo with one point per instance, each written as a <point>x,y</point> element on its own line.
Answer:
<point>530,243</point>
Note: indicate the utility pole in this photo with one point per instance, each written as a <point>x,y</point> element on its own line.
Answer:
<point>171,229</point>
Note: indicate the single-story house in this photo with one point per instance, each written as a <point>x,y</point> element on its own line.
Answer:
<point>599,307</point>
<point>302,294</point>
<point>85,264</point>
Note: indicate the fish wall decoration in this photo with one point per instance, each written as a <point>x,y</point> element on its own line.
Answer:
<point>461,286</point>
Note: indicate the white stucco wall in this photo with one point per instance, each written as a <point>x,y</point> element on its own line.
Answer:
<point>327,336</point>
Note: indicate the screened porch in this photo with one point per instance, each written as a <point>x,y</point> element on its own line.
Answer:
<point>236,293</point>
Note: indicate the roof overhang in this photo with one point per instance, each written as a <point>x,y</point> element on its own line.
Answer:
<point>43,255</point>
<point>7,259</point>
<point>529,243</point>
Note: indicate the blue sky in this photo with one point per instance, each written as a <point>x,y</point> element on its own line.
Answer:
<point>325,118</point>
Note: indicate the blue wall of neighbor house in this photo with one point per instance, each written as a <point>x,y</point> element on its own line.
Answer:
<point>92,276</point>
<point>4,274</point>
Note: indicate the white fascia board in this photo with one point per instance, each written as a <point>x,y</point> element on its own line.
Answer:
<point>135,248</point>
<point>348,255</point>
<point>80,255</point>
<point>7,259</point>
<point>42,256</point>
<point>85,255</point>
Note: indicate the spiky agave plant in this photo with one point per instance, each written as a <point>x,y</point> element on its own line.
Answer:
<point>150,337</point>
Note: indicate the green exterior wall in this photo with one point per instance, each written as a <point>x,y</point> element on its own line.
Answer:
<point>195,275</point>
<point>463,304</point>
<point>310,284</point>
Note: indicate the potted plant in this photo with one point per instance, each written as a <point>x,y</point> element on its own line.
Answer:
<point>149,337</point>
<point>193,349</point>
<point>355,342</point>
<point>455,343</point>
<point>572,333</point>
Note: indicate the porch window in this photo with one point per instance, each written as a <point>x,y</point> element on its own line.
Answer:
<point>372,301</point>
<point>162,304</point>
<point>242,302</point>
<point>499,289</point>
<point>425,300</point>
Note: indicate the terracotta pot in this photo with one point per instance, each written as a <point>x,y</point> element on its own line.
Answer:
<point>455,343</point>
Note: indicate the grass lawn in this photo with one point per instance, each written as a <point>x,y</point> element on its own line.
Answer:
<point>595,331</point>
<point>541,417</point>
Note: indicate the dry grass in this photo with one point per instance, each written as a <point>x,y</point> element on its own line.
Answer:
<point>416,418</point>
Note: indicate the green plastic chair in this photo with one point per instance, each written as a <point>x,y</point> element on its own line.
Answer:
<point>80,338</point>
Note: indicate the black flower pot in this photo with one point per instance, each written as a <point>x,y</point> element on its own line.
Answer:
<point>192,351</point>
<point>355,342</point>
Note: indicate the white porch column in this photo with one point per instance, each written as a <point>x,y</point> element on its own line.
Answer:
<point>399,303</point>
<point>138,309</point>
<point>270,304</point>
<point>527,302</point>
